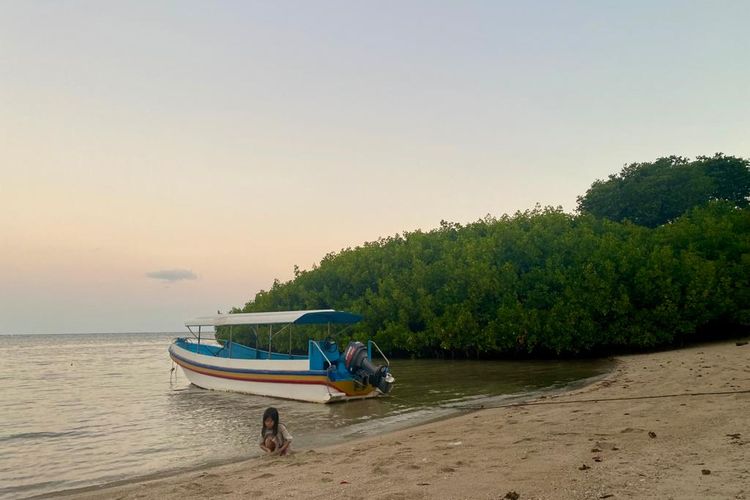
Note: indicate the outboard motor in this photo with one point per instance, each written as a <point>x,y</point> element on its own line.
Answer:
<point>364,371</point>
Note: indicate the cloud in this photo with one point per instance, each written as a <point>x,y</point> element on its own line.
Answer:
<point>172,275</point>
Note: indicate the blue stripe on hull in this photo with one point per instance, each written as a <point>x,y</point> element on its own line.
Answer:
<point>250,371</point>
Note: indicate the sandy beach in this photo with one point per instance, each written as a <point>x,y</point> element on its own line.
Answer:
<point>616,438</point>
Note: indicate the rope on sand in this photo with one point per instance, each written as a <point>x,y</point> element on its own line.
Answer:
<point>596,400</point>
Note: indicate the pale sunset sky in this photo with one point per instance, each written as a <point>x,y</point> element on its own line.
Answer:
<point>162,160</point>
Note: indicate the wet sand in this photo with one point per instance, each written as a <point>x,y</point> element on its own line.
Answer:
<point>616,438</point>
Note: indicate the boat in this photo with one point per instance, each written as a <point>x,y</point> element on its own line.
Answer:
<point>323,375</point>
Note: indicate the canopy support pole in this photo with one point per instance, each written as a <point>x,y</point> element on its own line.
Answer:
<point>255,332</point>
<point>270,334</point>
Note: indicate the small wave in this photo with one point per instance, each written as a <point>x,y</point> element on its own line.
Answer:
<point>50,485</point>
<point>39,435</point>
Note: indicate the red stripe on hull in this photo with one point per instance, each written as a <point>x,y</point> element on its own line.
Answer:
<point>267,380</point>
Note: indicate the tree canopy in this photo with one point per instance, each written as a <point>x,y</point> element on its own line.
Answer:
<point>616,276</point>
<point>654,193</point>
<point>539,282</point>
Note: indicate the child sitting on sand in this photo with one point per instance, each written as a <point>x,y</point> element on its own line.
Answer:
<point>274,437</point>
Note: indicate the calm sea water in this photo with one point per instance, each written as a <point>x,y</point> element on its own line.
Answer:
<point>80,410</point>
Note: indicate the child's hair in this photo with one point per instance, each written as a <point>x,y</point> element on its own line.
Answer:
<point>273,414</point>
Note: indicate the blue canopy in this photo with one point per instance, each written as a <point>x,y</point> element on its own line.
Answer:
<point>313,317</point>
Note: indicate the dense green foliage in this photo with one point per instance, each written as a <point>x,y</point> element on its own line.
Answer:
<point>540,281</point>
<point>653,193</point>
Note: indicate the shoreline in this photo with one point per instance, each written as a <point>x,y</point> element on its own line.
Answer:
<point>634,432</point>
<point>456,410</point>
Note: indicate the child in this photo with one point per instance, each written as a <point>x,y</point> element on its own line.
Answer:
<point>274,438</point>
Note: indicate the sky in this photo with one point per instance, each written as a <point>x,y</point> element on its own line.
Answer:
<point>165,160</point>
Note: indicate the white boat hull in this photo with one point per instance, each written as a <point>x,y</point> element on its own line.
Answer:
<point>288,379</point>
<point>314,393</point>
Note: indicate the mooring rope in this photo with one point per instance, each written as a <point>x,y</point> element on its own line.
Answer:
<point>595,400</point>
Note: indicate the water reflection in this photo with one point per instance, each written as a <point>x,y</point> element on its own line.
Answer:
<point>425,389</point>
